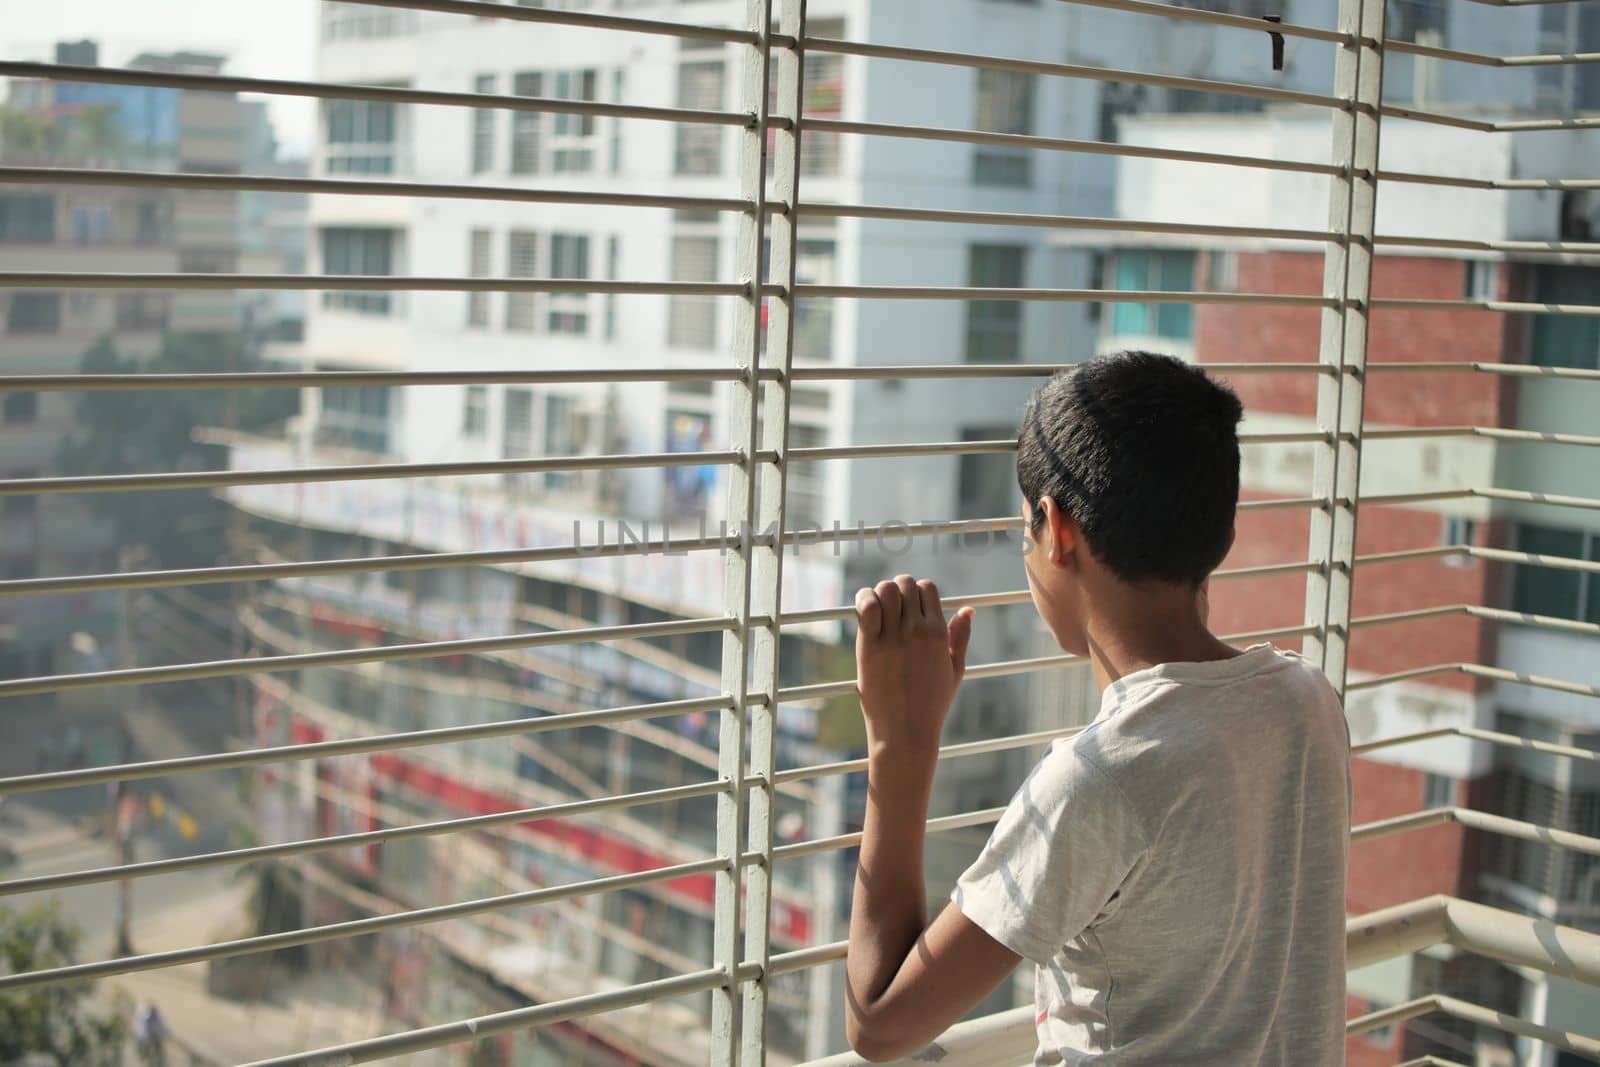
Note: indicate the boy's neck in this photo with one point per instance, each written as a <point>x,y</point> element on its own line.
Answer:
<point>1136,627</point>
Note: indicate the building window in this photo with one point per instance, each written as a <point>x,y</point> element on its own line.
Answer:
<point>569,259</point>
<point>689,488</point>
<point>702,76</point>
<point>483,121</point>
<point>814,262</point>
<point>994,327</point>
<point>613,259</point>
<point>692,320</point>
<point>516,432</point>
<point>475,412</point>
<point>1482,282</point>
<point>91,224</point>
<point>1004,105</point>
<point>22,504</point>
<point>618,79</point>
<point>986,482</point>
<point>152,225</point>
<point>144,312</point>
<point>360,136</point>
<point>1532,864</point>
<point>355,418</point>
<point>561,436</point>
<point>1565,340</point>
<point>1418,21</point>
<point>357,21</point>
<point>572,137</point>
<point>34,313</point>
<point>206,261</point>
<point>479,251</point>
<point>824,99</point>
<point>1222,272</point>
<point>572,141</point>
<point>20,407</point>
<point>526,125</point>
<point>1438,791</point>
<point>806,490</point>
<point>1542,590</point>
<point>1167,272</point>
<point>1116,100</point>
<point>522,261</point>
<point>1381,1036</point>
<point>351,250</point>
<point>27,218</point>
<point>1459,531</point>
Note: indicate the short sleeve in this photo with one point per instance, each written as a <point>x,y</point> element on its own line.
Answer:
<point>1060,852</point>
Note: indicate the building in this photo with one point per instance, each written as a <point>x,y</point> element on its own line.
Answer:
<point>1416,444</point>
<point>48,225</point>
<point>52,227</point>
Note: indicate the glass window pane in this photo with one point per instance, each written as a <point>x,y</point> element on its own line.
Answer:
<point>521,262</point>
<point>1560,340</point>
<point>1545,590</point>
<point>994,327</point>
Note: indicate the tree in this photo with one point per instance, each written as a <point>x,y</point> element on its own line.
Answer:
<point>152,432</point>
<point>28,136</point>
<point>90,135</point>
<point>53,1020</point>
<point>95,137</point>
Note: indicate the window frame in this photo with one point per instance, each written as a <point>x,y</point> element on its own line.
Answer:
<point>987,320</point>
<point>701,80</point>
<point>36,322</point>
<point>1004,101</point>
<point>22,222</point>
<point>368,146</point>
<point>480,264</point>
<point>360,301</point>
<point>523,256</point>
<point>567,314</point>
<point>1169,322</point>
<point>1532,586</point>
<point>484,121</point>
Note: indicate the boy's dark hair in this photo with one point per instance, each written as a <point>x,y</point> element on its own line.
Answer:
<point>1142,450</point>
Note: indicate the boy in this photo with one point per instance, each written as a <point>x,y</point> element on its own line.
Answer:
<point>1176,872</point>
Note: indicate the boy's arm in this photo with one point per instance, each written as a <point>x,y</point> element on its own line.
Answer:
<point>907,980</point>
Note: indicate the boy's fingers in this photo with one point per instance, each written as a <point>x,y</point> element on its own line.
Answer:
<point>910,601</point>
<point>889,596</point>
<point>932,610</point>
<point>960,637</point>
<point>869,613</point>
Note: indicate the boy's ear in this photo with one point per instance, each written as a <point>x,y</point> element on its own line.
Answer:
<point>1061,533</point>
<point>1232,530</point>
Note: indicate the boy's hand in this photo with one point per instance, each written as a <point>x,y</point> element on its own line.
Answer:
<point>908,662</point>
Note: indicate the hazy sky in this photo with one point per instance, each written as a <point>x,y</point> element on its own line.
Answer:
<point>262,38</point>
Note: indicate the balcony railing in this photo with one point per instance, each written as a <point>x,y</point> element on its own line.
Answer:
<point>773,45</point>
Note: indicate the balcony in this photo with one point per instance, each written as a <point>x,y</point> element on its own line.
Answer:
<point>646,805</point>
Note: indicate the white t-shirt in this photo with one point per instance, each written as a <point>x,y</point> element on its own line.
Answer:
<point>1177,871</point>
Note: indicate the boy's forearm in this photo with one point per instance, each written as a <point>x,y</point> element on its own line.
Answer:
<point>889,908</point>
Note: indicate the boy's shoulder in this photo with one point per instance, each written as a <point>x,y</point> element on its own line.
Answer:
<point>1171,718</point>
<point>1259,673</point>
